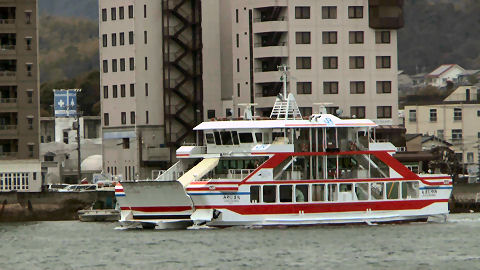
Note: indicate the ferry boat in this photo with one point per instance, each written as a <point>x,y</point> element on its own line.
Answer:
<point>284,171</point>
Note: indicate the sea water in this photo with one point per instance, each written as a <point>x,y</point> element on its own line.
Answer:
<point>77,245</point>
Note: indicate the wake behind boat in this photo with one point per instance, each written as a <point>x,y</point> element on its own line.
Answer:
<point>285,170</point>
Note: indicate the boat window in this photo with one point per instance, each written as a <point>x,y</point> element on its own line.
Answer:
<point>381,170</point>
<point>376,190</point>
<point>286,193</point>
<point>258,137</point>
<point>210,139</point>
<point>361,190</point>
<point>301,193</point>
<point>318,192</point>
<point>345,187</point>
<point>332,192</point>
<point>410,190</point>
<point>245,137</point>
<point>235,138</point>
<point>226,137</point>
<point>269,194</point>
<point>392,190</point>
<point>254,194</point>
<point>217,138</point>
<point>276,135</point>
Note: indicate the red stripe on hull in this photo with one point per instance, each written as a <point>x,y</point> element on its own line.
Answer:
<point>215,189</point>
<point>323,207</point>
<point>152,209</point>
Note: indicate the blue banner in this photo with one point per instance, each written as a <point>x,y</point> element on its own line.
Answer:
<point>65,103</point>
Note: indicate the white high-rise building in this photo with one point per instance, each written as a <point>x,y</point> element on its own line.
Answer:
<point>153,84</point>
<point>338,52</point>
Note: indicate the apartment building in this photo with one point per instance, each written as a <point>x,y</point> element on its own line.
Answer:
<point>452,120</point>
<point>338,52</point>
<point>153,71</point>
<point>19,89</point>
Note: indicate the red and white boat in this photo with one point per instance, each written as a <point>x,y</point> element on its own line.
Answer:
<point>284,171</point>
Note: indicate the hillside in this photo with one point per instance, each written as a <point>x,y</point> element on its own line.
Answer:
<point>439,32</point>
<point>87,9</point>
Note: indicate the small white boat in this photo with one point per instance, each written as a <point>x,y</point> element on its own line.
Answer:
<point>99,215</point>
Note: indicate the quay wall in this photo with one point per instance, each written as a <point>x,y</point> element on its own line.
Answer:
<point>464,198</point>
<point>50,206</point>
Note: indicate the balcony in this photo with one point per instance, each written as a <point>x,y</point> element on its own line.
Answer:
<point>8,155</point>
<point>280,50</point>
<point>264,26</point>
<point>386,14</point>
<point>8,130</point>
<point>7,16</point>
<point>8,104</point>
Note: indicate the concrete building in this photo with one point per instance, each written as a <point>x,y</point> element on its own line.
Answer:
<point>453,121</point>
<point>156,79</point>
<point>58,148</point>
<point>19,89</point>
<point>339,52</point>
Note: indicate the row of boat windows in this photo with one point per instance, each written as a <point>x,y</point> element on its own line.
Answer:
<point>233,138</point>
<point>334,192</point>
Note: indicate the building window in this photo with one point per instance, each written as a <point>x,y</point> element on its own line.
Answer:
<point>384,112</point>
<point>357,62</point>
<point>132,63</point>
<point>384,87</point>
<point>144,11</point>
<point>104,40</point>
<point>305,111</point>
<point>146,89</point>
<point>304,88</point>
<point>130,11</point>
<point>30,150</point>
<point>146,63</point>
<point>114,39</point>
<point>330,87</point>
<point>457,114</point>
<point>132,117</point>
<point>105,92</point>
<point>106,120</point>
<point>124,118</point>
<point>382,37</point>
<point>238,90</point>
<point>146,117</point>
<point>238,40</point>
<point>30,123</point>
<point>114,65</point>
<point>330,62</point>
<point>302,12</point>
<point>30,96</point>
<point>304,62</point>
<point>130,37</point>
<point>121,11</point>
<point>238,65</point>
<point>122,64</point>
<point>122,90</point>
<point>104,14</point>
<point>433,115</point>
<point>236,15</point>
<point>114,14</point>
<point>329,37</point>
<point>478,113</point>
<point>126,145</point>
<point>28,42</point>
<point>329,12</point>
<point>105,66</point>
<point>357,112</point>
<point>28,17</point>
<point>470,157</point>
<point>302,37</point>
<point>383,61</point>
<point>145,37</point>
<point>456,134</point>
<point>355,12</point>
<point>478,135</point>
<point>132,90</point>
<point>332,110</point>
<point>357,87</point>
<point>412,115</point>
<point>29,69</point>
<point>356,37</point>
<point>440,134</point>
<point>122,38</point>
<point>114,91</point>
<point>211,114</point>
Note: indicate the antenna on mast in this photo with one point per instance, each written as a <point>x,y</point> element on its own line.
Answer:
<point>285,105</point>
